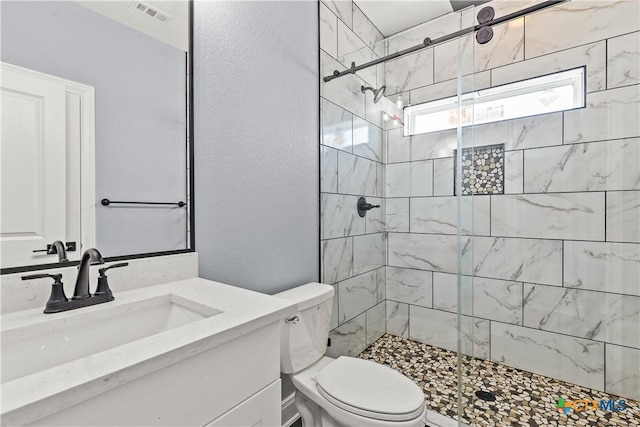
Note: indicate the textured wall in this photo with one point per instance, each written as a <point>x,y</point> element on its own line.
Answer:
<point>256,143</point>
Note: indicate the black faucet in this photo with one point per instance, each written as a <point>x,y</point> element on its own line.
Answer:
<point>90,257</point>
<point>57,247</point>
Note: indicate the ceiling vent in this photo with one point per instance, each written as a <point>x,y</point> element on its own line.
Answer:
<point>150,11</point>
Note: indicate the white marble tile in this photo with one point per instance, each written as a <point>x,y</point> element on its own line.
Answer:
<point>398,180</point>
<point>434,144</point>
<point>368,252</point>
<point>409,72</point>
<point>449,88</point>
<point>443,177</point>
<point>367,32</point>
<point>514,172</point>
<point>356,295</point>
<point>445,293</point>
<point>588,21</point>
<point>409,286</point>
<point>349,339</point>
<point>340,217</point>
<point>434,28</point>
<point>623,371</point>
<point>397,215</point>
<point>439,215</point>
<point>367,140</point>
<point>623,216</point>
<point>623,60</point>
<point>376,323</point>
<point>337,260</point>
<point>345,91</point>
<point>424,251</point>
<point>334,309</point>
<point>329,174</point>
<point>375,111</point>
<point>328,31</point>
<point>397,318</point>
<point>592,55</point>
<point>438,328</point>
<point>595,166</point>
<point>336,127</point>
<point>600,316</point>
<point>575,360</point>
<point>398,146</point>
<point>342,9</point>
<point>610,114</point>
<point>380,183</point>
<point>352,49</point>
<point>421,178</point>
<point>375,220</point>
<point>453,58</point>
<point>598,266</point>
<point>578,216</point>
<point>527,260</point>
<point>356,175</point>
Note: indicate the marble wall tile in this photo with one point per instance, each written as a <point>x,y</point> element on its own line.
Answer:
<point>514,172</point>
<point>439,215</point>
<point>334,309</point>
<point>337,260</point>
<point>376,323</point>
<point>449,88</point>
<point>445,293</point>
<point>336,126</point>
<point>596,166</point>
<point>374,111</point>
<point>443,177</point>
<point>589,21</point>
<point>352,49</point>
<point>578,216</point>
<point>367,32</point>
<point>434,144</point>
<point>452,58</point>
<point>349,339</point>
<point>424,252</point>
<point>434,28</point>
<point>357,295</point>
<point>623,60</point>
<point>397,319</point>
<point>409,72</point>
<point>600,316</point>
<point>592,55</point>
<point>340,217</point>
<point>328,31</point>
<point>342,9</point>
<point>375,220</point>
<point>356,175</point>
<point>623,216</point>
<point>398,146</point>
<point>421,178</point>
<point>397,215</point>
<point>380,183</point>
<point>409,286</point>
<point>606,267</point>
<point>398,180</point>
<point>623,372</point>
<point>345,91</point>
<point>575,360</point>
<point>367,140</point>
<point>368,252</point>
<point>610,114</point>
<point>329,174</point>
<point>527,260</point>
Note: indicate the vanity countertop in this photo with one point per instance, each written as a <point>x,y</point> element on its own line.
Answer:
<point>33,396</point>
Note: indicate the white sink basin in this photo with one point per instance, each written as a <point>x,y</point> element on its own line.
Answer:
<point>55,341</point>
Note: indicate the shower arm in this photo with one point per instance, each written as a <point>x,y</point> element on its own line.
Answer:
<point>428,42</point>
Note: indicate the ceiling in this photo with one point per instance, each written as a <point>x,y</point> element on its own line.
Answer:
<point>393,16</point>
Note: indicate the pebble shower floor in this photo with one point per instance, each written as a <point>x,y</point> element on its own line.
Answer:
<point>522,398</point>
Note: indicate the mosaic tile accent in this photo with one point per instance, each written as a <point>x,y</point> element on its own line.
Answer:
<point>482,170</point>
<point>522,398</point>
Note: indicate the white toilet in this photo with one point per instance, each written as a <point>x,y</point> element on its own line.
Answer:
<point>345,391</point>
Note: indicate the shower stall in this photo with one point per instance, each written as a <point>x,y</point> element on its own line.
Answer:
<point>502,269</point>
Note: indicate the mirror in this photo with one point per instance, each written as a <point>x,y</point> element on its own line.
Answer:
<point>95,129</point>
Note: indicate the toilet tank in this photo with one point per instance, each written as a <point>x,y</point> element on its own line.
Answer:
<point>303,336</point>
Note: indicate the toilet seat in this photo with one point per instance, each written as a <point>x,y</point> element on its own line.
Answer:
<point>370,390</point>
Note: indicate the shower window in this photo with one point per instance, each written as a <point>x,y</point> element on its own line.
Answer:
<point>547,94</point>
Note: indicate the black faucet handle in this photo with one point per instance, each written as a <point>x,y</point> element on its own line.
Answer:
<point>56,277</point>
<point>104,270</point>
<point>57,297</point>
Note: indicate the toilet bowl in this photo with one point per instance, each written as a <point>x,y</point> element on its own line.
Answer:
<point>345,391</point>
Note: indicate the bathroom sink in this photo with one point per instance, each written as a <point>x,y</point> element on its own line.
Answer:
<point>54,341</point>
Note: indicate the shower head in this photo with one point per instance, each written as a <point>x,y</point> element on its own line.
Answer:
<point>377,93</point>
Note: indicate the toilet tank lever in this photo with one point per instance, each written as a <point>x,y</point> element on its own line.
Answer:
<point>293,320</point>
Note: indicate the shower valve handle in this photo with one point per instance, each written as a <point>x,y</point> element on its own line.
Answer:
<point>363,206</point>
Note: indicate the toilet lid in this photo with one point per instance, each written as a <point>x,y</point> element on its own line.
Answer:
<point>370,389</point>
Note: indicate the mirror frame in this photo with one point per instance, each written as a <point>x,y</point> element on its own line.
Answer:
<point>190,128</point>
